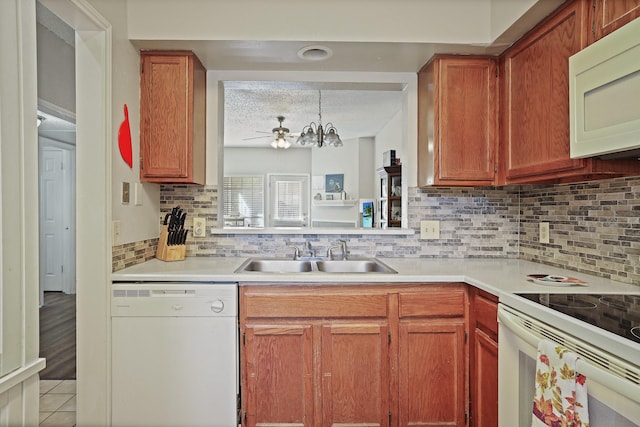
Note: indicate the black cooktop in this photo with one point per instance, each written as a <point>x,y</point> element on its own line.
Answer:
<point>619,314</point>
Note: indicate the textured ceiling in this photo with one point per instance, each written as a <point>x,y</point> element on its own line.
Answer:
<point>250,109</point>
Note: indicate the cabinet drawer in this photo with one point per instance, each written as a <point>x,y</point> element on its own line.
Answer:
<point>440,303</point>
<point>310,305</point>
<point>486,313</point>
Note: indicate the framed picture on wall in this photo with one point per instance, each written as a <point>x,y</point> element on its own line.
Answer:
<point>334,183</point>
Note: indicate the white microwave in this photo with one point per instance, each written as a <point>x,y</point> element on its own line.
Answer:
<point>604,96</point>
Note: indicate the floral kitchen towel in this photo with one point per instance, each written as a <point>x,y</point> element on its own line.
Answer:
<point>560,398</point>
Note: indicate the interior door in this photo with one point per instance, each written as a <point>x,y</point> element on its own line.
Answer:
<point>57,235</point>
<point>51,220</point>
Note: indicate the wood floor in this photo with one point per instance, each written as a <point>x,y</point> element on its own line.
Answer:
<point>58,336</point>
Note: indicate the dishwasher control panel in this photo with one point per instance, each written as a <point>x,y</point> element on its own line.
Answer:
<point>174,299</point>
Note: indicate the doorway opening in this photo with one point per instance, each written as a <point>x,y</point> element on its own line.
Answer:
<point>93,75</point>
<point>56,176</point>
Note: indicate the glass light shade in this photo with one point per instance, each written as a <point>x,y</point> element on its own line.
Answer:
<point>332,138</point>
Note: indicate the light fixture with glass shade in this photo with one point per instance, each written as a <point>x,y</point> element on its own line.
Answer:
<point>315,134</point>
<point>280,136</point>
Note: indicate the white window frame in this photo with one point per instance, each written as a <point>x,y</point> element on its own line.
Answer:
<point>304,219</point>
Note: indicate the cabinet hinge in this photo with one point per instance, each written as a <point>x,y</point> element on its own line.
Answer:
<point>465,337</point>
<point>389,418</point>
<point>389,338</point>
<point>466,418</point>
<point>497,71</point>
<point>244,338</point>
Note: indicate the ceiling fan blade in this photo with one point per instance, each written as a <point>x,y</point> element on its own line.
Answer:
<point>257,137</point>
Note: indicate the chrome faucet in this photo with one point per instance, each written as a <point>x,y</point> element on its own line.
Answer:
<point>296,251</point>
<point>342,245</point>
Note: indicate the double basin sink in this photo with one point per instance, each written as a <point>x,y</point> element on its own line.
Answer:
<point>314,265</point>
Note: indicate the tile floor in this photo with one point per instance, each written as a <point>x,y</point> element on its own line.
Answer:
<point>57,403</point>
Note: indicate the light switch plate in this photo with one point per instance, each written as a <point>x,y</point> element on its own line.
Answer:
<point>430,230</point>
<point>126,193</point>
<point>199,227</point>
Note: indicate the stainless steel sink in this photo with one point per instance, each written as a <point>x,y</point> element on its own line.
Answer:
<point>282,265</point>
<point>368,265</point>
<point>275,265</point>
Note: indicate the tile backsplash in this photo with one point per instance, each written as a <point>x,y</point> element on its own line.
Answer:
<point>476,223</point>
<point>594,227</point>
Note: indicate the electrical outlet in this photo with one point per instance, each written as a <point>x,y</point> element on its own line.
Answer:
<point>199,227</point>
<point>430,230</point>
<point>125,193</point>
<point>115,228</point>
<point>544,232</point>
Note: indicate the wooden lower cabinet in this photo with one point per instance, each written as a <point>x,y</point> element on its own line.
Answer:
<point>484,359</point>
<point>355,374</point>
<point>357,355</point>
<point>433,373</point>
<point>279,374</point>
<point>485,381</point>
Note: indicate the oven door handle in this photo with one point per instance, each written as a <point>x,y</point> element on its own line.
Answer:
<point>628,386</point>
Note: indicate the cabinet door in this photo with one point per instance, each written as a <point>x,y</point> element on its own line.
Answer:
<point>609,15</point>
<point>432,374</point>
<point>485,381</point>
<point>172,115</point>
<point>457,129</point>
<point>535,139</point>
<point>279,377</point>
<point>355,374</point>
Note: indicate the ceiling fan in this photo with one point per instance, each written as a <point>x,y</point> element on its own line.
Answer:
<point>280,135</point>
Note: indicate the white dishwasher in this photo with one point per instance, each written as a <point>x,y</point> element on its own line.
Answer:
<point>174,354</point>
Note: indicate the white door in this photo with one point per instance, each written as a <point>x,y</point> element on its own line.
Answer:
<point>57,217</point>
<point>51,218</point>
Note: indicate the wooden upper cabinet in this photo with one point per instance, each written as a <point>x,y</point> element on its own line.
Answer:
<point>535,105</point>
<point>535,137</point>
<point>457,121</point>
<point>172,117</point>
<point>609,15</point>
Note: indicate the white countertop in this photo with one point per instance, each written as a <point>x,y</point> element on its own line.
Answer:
<point>501,277</point>
<point>497,276</point>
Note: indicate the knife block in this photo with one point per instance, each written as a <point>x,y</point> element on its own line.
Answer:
<point>169,253</point>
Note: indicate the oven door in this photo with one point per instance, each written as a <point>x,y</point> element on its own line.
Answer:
<point>613,400</point>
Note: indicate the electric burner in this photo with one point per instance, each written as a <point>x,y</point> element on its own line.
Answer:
<point>619,314</point>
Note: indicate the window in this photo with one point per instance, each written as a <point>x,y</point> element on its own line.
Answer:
<point>243,201</point>
<point>289,200</point>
